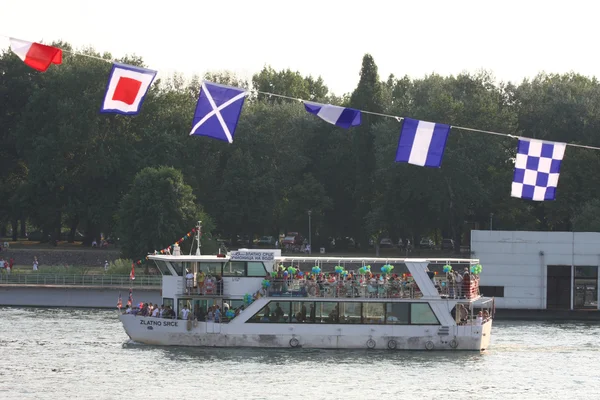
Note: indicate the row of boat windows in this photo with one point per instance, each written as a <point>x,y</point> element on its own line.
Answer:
<point>329,312</point>
<point>231,268</point>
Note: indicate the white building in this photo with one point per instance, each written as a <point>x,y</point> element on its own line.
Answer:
<point>539,270</point>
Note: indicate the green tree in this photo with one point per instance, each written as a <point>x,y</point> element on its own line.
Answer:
<point>156,211</point>
<point>367,96</point>
<point>307,195</point>
<point>587,218</point>
<point>289,83</point>
<point>17,84</point>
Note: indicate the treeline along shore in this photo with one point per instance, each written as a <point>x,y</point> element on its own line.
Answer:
<point>66,167</point>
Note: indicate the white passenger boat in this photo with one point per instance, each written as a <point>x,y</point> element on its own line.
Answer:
<point>289,302</point>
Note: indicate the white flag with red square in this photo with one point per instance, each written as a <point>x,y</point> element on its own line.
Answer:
<point>127,87</point>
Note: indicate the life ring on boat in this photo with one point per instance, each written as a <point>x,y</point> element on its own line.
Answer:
<point>453,343</point>
<point>371,344</point>
<point>429,345</point>
<point>195,323</point>
<point>294,342</point>
<point>392,344</point>
<point>313,290</point>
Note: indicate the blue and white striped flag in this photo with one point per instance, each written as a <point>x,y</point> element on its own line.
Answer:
<point>336,115</point>
<point>422,143</point>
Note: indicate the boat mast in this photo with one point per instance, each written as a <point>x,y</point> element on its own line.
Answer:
<point>198,234</point>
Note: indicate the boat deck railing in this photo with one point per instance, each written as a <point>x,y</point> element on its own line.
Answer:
<point>108,281</point>
<point>353,289</point>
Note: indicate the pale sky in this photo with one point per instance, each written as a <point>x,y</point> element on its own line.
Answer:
<point>513,39</point>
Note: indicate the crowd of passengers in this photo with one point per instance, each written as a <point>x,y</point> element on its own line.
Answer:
<point>212,313</point>
<point>203,283</point>
<point>453,284</point>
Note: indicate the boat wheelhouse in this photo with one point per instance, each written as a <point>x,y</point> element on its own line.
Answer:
<point>293,302</point>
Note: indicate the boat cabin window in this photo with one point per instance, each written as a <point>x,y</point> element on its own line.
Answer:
<point>210,268</point>
<point>373,313</point>
<point>398,313</point>
<point>422,314</point>
<point>330,312</point>
<point>234,303</point>
<point>256,269</point>
<point>184,302</point>
<point>327,312</point>
<point>350,313</point>
<point>178,267</point>
<point>234,268</point>
<point>274,311</point>
<point>162,267</point>
<point>168,301</point>
<point>303,311</point>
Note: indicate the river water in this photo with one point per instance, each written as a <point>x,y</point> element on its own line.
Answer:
<point>85,354</point>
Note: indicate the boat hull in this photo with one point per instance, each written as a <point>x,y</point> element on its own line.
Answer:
<point>165,332</point>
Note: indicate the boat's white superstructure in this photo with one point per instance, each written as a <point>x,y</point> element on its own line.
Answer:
<point>296,312</point>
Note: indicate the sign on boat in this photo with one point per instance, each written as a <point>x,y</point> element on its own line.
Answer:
<point>250,298</point>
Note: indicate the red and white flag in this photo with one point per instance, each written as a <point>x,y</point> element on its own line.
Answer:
<point>37,56</point>
<point>132,273</point>
<point>126,89</point>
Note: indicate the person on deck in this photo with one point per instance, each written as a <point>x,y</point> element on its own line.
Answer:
<point>185,313</point>
<point>201,277</point>
<point>189,278</point>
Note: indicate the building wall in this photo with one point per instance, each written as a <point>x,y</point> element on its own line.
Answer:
<point>45,296</point>
<point>518,260</point>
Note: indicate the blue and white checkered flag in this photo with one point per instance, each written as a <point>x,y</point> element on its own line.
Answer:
<point>537,167</point>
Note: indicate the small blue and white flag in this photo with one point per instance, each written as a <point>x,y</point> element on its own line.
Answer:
<point>218,111</point>
<point>422,143</point>
<point>336,115</point>
<point>537,167</point>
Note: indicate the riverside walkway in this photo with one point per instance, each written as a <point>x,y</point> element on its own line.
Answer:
<point>80,281</point>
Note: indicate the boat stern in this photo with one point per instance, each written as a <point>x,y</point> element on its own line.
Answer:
<point>486,335</point>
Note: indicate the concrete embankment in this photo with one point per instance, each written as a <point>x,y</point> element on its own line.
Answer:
<point>506,314</point>
<point>40,295</point>
<point>73,296</point>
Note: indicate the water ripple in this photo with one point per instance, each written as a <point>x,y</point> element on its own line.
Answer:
<point>85,354</point>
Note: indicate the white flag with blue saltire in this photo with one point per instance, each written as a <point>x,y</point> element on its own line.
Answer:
<point>343,117</point>
<point>422,143</point>
<point>218,111</point>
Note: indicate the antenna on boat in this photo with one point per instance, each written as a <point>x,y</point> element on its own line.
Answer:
<point>198,234</point>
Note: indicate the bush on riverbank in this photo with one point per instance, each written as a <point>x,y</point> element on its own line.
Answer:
<point>122,266</point>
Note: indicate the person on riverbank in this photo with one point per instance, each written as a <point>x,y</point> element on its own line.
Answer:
<point>9,268</point>
<point>35,263</point>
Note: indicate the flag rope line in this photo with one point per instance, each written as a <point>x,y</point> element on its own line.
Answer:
<point>87,55</point>
<point>302,101</point>
<point>397,118</point>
